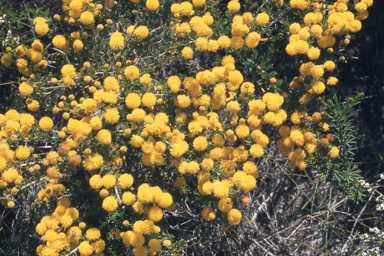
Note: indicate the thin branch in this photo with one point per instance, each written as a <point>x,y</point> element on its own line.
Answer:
<point>73,251</point>
<point>354,225</point>
<point>129,38</point>
<point>54,48</point>
<point>118,195</point>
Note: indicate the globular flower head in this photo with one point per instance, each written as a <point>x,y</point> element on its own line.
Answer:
<point>41,28</point>
<point>187,53</point>
<point>262,19</point>
<point>60,42</point>
<point>117,41</point>
<point>131,72</point>
<point>46,123</point>
<point>110,204</point>
<point>152,5</point>
<point>234,217</point>
<point>104,137</point>
<point>86,18</point>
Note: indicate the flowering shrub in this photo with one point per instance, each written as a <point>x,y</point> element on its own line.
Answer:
<point>125,137</point>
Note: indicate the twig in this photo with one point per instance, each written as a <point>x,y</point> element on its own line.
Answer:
<point>294,231</point>
<point>118,195</point>
<point>190,212</point>
<point>73,251</point>
<point>29,184</point>
<point>259,245</point>
<point>13,82</point>
<point>262,205</point>
<point>272,173</point>
<point>354,225</point>
<point>15,224</point>
<point>56,87</point>
<point>54,48</point>
<point>129,38</point>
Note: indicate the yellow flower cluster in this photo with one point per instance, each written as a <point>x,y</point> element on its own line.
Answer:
<point>58,232</point>
<point>209,125</point>
<point>27,60</point>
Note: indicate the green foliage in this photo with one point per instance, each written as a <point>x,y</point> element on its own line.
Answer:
<point>341,170</point>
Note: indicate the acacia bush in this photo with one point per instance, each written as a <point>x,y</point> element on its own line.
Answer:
<point>133,111</point>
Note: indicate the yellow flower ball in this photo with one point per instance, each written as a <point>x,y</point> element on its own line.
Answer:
<point>237,41</point>
<point>46,123</point>
<point>149,99</point>
<point>167,243</point>
<point>154,246</point>
<point>11,204</point>
<point>224,42</point>
<point>146,79</point>
<point>248,183</point>
<point>111,115</point>
<point>95,182</point>
<point>89,105</point>
<point>334,152</point>
<point>256,150</point>
<point>92,234</point>
<point>198,3</point>
<point>131,72</point>
<point>233,107</point>
<point>317,71</point>
<point>155,213</point>
<point>128,198</point>
<point>187,53</point>
<point>117,41</point>
<point>108,181</point>
<point>200,143</point>
<point>201,44</point>
<point>234,217</point>
<point>186,9</point>
<point>252,40</point>
<point>152,5</point>
<point>41,28</point>
<point>141,32</point>
<point>318,87</point>
<point>183,101</point>
<point>247,17</point>
<point>332,80</point>
<point>78,45</point>
<point>262,19</point>
<point>60,42</point>
<point>86,18</point>
<point>110,204</point>
<point>25,89</point>
<point>136,141</point>
<point>225,205</point>
<point>85,248</point>
<point>207,164</point>
<point>329,65</point>
<point>125,181</point>
<point>233,6</point>
<point>301,47</point>
<point>93,162</point>
<point>244,199</point>
<point>133,101</point>
<point>242,131</point>
<point>207,211</point>
<point>104,137</point>
<point>316,30</point>
<point>6,59</point>
<point>313,53</point>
